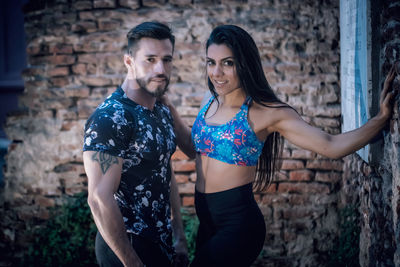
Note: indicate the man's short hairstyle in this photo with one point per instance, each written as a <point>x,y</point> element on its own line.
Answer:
<point>151,29</point>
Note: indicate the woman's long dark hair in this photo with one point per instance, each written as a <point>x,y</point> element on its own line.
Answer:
<point>254,83</point>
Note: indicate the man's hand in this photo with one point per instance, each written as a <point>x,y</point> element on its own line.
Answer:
<point>181,258</point>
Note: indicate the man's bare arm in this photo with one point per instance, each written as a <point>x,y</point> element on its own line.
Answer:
<point>104,173</point>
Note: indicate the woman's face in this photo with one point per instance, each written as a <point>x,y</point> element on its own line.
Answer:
<point>221,69</point>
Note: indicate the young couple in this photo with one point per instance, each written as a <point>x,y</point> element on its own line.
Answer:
<point>236,141</point>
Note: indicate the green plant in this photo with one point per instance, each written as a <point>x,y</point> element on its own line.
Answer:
<point>67,239</point>
<point>190,224</point>
<point>347,250</point>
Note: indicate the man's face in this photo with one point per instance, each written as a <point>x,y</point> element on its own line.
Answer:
<point>152,65</point>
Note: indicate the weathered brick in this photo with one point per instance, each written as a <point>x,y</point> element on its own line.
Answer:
<point>153,3</point>
<point>108,25</point>
<point>84,26</point>
<point>183,166</point>
<point>180,2</point>
<point>95,81</point>
<point>301,175</point>
<point>181,178</point>
<point>179,155</point>
<point>79,69</point>
<point>104,3</point>
<point>186,188</point>
<point>82,5</point>
<point>303,154</point>
<point>59,81</point>
<point>328,177</point>
<point>133,4</point>
<point>303,188</point>
<point>44,201</point>
<point>60,48</point>
<point>187,201</point>
<point>325,164</point>
<point>61,71</point>
<point>292,164</point>
<point>61,59</point>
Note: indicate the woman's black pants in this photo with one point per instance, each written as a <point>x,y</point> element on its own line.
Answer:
<point>232,228</point>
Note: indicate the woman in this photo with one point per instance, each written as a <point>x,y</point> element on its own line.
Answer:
<point>236,142</point>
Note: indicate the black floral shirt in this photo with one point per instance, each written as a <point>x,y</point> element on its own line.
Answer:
<point>145,140</point>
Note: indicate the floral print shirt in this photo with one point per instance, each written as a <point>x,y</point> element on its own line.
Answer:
<point>145,140</point>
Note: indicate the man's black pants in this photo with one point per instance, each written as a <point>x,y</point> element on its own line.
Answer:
<point>149,252</point>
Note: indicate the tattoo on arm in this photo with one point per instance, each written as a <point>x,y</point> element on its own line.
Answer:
<point>105,160</point>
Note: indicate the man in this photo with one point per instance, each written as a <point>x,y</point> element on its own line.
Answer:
<point>128,143</point>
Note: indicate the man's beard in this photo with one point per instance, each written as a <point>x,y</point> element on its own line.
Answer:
<point>160,91</point>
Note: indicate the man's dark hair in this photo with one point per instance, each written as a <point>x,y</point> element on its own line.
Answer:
<point>151,29</point>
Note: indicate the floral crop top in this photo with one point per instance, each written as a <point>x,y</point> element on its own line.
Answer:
<point>233,142</point>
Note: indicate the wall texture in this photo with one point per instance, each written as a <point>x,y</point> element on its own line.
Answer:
<point>75,51</point>
<point>375,188</point>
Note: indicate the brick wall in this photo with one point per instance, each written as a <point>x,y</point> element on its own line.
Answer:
<point>75,51</point>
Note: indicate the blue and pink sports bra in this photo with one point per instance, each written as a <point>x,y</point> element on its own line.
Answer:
<point>233,142</point>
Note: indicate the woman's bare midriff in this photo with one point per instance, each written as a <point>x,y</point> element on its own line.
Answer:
<point>215,176</point>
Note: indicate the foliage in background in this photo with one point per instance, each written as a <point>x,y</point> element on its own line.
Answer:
<point>190,224</point>
<point>346,252</point>
<point>67,238</point>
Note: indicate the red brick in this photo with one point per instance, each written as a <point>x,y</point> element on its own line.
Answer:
<point>43,214</point>
<point>187,201</point>
<point>61,59</point>
<point>181,178</point>
<point>288,88</point>
<point>44,201</point>
<point>183,166</point>
<point>179,155</point>
<point>303,154</point>
<point>271,188</point>
<point>84,26</point>
<point>79,69</point>
<point>59,81</point>
<point>82,5</point>
<point>274,199</point>
<point>295,199</point>
<point>328,177</point>
<point>296,213</point>
<point>301,175</point>
<point>193,177</point>
<point>289,235</point>
<point>32,50</point>
<point>60,48</point>
<point>68,125</point>
<point>292,164</point>
<point>107,25</point>
<point>325,164</point>
<point>62,71</point>
<point>153,3</point>
<point>79,91</point>
<point>104,3</point>
<point>257,197</point>
<point>133,4</point>
<point>281,176</point>
<point>86,107</point>
<point>303,188</point>
<point>95,81</point>
<point>187,188</point>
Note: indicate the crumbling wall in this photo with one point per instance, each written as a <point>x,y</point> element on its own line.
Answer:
<point>75,51</point>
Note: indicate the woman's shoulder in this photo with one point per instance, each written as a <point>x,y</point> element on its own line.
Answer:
<point>273,111</point>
